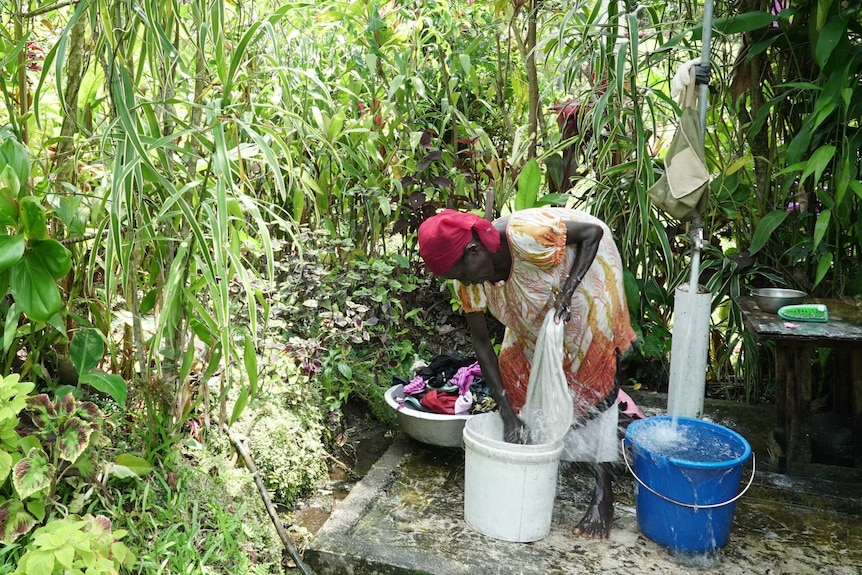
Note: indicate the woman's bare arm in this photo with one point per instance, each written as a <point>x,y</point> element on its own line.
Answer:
<point>513,427</point>
<point>587,237</point>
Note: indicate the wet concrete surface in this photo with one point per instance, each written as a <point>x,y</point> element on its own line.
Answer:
<point>406,516</point>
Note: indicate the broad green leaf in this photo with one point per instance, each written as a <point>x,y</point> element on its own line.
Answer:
<point>761,47</point>
<point>822,13</point>
<point>53,255</point>
<point>823,110</point>
<point>9,183</point>
<point>633,292</point>
<point>109,383</point>
<point>34,289</point>
<point>336,124</point>
<point>801,86</point>
<point>385,205</point>
<point>240,404</point>
<point>73,437</point>
<point>14,155</point>
<point>32,218</point>
<point>32,474</point>
<point>634,35</point>
<point>65,556</point>
<point>345,370</point>
<point>8,207</point>
<point>10,331</point>
<point>466,64</point>
<point>5,466</point>
<point>822,268</point>
<point>396,84</point>
<point>121,471</point>
<point>821,227</point>
<point>743,22</point>
<point>148,302</point>
<point>529,181</point>
<point>137,465</point>
<point>418,86</point>
<point>765,228</point>
<point>828,38</point>
<point>40,562</point>
<point>14,521</point>
<point>800,143</point>
<point>36,507</point>
<point>42,410</point>
<point>738,164</point>
<point>86,350</point>
<point>818,162</point>
<point>845,172</point>
<point>298,204</point>
<point>11,250</point>
<point>553,200</point>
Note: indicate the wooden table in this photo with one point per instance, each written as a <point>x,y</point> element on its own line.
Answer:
<point>795,343</point>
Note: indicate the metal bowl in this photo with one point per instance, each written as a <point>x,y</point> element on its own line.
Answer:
<point>432,428</point>
<point>771,300</point>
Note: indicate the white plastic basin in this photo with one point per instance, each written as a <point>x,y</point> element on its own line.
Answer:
<point>431,428</point>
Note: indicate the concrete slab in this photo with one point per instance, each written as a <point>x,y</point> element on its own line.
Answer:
<point>406,517</point>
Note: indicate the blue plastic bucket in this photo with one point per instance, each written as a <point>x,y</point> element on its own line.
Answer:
<point>687,480</point>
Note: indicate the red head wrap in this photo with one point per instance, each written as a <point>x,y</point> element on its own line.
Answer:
<point>442,238</point>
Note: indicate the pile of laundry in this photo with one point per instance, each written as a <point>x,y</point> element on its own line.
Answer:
<point>450,384</point>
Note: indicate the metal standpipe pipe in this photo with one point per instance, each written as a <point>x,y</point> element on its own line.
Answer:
<point>692,309</point>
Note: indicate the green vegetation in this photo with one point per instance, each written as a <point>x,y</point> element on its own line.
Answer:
<point>209,211</point>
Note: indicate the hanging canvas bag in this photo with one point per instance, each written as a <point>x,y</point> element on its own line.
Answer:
<point>683,190</point>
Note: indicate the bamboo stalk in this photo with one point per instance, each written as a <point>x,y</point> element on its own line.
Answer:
<point>264,494</point>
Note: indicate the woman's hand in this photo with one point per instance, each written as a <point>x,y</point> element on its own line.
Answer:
<point>514,430</point>
<point>562,305</point>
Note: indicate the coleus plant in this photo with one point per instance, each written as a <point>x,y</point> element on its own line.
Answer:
<point>61,432</point>
<point>14,518</point>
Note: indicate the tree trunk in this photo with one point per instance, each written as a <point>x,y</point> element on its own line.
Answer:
<point>23,86</point>
<point>532,77</point>
<point>64,159</point>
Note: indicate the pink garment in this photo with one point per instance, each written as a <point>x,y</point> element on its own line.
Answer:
<point>463,378</point>
<point>464,404</point>
<point>631,407</point>
<point>416,385</point>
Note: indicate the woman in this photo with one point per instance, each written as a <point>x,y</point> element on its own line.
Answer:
<point>518,267</point>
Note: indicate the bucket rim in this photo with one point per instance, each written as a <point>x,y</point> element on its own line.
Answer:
<point>694,506</point>
<point>488,444</point>
<point>687,463</point>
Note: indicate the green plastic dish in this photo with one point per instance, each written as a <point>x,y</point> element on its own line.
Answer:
<point>805,312</point>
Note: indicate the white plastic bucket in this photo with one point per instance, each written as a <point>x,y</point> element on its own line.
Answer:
<point>509,489</point>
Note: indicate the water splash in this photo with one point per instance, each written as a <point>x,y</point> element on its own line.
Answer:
<point>671,438</point>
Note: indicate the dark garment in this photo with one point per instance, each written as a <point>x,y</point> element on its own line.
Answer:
<point>437,376</point>
<point>442,367</point>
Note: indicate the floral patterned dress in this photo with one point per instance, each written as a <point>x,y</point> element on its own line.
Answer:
<point>599,324</point>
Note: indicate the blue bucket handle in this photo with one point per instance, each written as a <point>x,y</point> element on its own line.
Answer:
<point>680,503</point>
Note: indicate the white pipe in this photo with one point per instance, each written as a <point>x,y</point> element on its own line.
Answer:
<point>689,352</point>
<point>690,344</point>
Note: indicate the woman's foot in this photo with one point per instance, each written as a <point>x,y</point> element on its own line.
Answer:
<point>597,521</point>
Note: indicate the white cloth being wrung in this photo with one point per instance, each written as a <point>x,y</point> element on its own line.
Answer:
<point>548,409</point>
